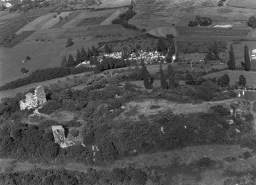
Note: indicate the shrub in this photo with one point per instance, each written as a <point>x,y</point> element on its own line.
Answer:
<point>242,81</point>
<point>50,107</point>
<point>114,103</point>
<point>223,81</point>
<point>223,111</point>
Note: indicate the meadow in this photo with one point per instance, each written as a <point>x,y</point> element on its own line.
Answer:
<point>250,4</point>
<point>220,32</point>
<point>234,76</point>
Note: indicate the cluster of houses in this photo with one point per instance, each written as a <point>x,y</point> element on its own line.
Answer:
<point>148,57</point>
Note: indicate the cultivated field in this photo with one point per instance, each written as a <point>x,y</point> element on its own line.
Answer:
<point>86,14</point>
<point>250,4</point>
<point>219,32</point>
<point>234,76</point>
<point>109,20</point>
<point>163,31</point>
<point>37,23</point>
<point>113,3</point>
<point>104,30</point>
<point>91,21</point>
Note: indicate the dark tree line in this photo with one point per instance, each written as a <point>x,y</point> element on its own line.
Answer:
<point>81,55</point>
<point>65,177</point>
<point>43,75</point>
<point>168,82</point>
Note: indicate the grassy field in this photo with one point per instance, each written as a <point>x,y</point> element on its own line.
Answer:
<point>12,28</point>
<point>239,48</point>
<point>18,38</point>
<point>188,46</point>
<point>163,31</point>
<point>59,81</point>
<point>104,30</point>
<point>67,19</point>
<point>234,76</point>
<point>250,4</point>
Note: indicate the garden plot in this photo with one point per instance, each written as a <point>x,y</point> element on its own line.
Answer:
<point>54,21</point>
<point>37,23</point>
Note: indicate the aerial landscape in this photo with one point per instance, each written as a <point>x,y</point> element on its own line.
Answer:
<point>127,92</point>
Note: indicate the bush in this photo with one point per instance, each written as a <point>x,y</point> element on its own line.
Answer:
<point>242,81</point>
<point>222,111</point>
<point>69,42</point>
<point>114,103</point>
<point>50,107</point>
<point>223,81</point>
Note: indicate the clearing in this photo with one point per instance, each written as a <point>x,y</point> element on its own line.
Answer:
<point>145,107</point>
<point>250,4</point>
<point>163,31</point>
<point>234,76</point>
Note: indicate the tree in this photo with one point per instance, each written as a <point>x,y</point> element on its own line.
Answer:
<point>64,61</point>
<point>24,70</point>
<point>216,51</point>
<point>247,60</point>
<point>89,53</point>
<point>161,46</point>
<point>223,81</point>
<point>242,81</point>
<point>91,60</point>
<point>51,150</point>
<point>69,42</point>
<point>78,57</point>
<point>146,76</point>
<point>95,51</point>
<point>231,61</point>
<point>164,84</point>
<point>71,61</point>
<point>252,22</point>
<point>107,49</point>
<point>83,54</point>
<point>190,79</point>
<point>171,77</point>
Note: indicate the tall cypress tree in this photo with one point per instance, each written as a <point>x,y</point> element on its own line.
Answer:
<point>89,53</point>
<point>78,57</point>
<point>95,51</point>
<point>64,61</point>
<point>164,84</point>
<point>231,62</point>
<point>247,60</point>
<point>71,61</point>
<point>83,54</point>
<point>146,76</point>
<point>216,51</point>
<point>171,77</point>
